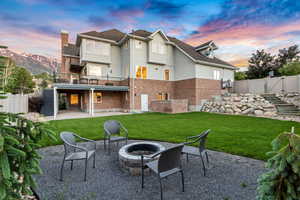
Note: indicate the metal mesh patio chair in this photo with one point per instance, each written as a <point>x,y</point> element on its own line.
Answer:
<point>112,133</point>
<point>71,153</point>
<point>168,163</point>
<point>188,150</point>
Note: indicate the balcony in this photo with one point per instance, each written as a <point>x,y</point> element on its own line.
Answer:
<point>73,80</point>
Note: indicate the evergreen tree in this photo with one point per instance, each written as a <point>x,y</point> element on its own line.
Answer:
<point>282,181</point>
<point>20,81</point>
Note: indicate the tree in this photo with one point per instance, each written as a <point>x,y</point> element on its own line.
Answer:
<point>282,181</point>
<point>240,76</point>
<point>43,84</point>
<point>260,64</point>
<point>20,82</point>
<point>290,69</point>
<point>286,56</point>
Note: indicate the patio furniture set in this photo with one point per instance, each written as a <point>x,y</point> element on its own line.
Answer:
<point>138,158</point>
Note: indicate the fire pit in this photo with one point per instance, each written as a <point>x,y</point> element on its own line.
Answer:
<point>130,155</point>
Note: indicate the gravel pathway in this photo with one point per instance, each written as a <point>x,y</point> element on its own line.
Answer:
<point>228,178</point>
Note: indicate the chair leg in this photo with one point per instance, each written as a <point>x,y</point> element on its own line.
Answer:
<point>94,161</point>
<point>61,170</point>
<point>104,144</point>
<point>206,154</point>
<point>161,192</point>
<point>182,180</point>
<point>72,165</point>
<point>142,177</point>
<point>187,157</point>
<point>108,147</point>
<point>86,161</point>
<point>203,165</point>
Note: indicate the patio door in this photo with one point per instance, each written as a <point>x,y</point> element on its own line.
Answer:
<point>144,102</point>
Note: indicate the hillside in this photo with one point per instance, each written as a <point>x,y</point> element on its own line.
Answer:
<point>36,64</point>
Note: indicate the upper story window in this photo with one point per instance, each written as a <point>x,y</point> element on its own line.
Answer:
<point>98,48</point>
<point>216,75</point>
<point>167,75</point>
<point>141,72</point>
<point>138,44</point>
<point>158,47</point>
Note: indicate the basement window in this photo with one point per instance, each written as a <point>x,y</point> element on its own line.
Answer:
<point>98,97</point>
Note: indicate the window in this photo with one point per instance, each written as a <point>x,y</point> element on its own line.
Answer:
<point>141,72</point>
<point>216,75</point>
<point>162,96</point>
<point>98,97</point>
<point>167,75</point>
<point>138,44</point>
<point>74,99</point>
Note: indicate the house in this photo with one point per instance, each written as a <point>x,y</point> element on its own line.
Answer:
<point>116,71</point>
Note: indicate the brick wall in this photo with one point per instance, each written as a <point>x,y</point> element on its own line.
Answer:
<point>170,106</point>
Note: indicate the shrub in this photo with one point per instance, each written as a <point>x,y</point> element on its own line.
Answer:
<point>282,181</point>
<point>35,104</point>
<point>19,159</point>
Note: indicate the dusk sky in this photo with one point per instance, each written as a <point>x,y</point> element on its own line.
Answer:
<point>238,27</point>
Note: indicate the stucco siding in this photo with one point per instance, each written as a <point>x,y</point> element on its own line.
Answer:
<point>156,57</point>
<point>207,72</point>
<point>184,67</point>
<point>95,56</point>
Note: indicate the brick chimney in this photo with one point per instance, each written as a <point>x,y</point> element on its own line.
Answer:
<point>64,36</point>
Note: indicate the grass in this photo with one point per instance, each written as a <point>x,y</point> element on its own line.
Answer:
<point>239,135</point>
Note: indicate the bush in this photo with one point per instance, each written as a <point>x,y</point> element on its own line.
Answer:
<point>35,104</point>
<point>282,181</point>
<point>19,159</point>
<point>290,69</point>
<point>240,76</point>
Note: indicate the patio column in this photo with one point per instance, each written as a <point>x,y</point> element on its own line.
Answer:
<point>92,102</point>
<point>54,102</point>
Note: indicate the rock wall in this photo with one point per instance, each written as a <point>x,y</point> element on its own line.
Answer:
<point>244,104</point>
<point>293,98</point>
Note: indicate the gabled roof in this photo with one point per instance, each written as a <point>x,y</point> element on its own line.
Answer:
<point>188,49</point>
<point>70,50</point>
<point>206,45</point>
<point>112,34</point>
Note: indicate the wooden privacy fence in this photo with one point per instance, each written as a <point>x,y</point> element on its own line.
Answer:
<point>14,103</point>
<point>283,84</point>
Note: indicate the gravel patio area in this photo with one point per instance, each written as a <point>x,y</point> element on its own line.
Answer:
<point>228,178</point>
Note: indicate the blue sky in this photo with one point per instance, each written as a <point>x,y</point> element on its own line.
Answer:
<point>239,27</point>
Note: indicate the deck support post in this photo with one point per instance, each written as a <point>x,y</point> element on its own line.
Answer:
<point>92,102</point>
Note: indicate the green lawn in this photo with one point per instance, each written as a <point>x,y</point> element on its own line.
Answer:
<point>240,135</point>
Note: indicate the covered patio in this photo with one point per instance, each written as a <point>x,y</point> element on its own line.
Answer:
<point>82,97</point>
<point>228,177</point>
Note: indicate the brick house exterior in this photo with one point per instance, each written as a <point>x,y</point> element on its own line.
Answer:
<point>115,71</point>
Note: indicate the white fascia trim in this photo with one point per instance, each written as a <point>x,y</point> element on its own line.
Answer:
<point>97,38</point>
<point>137,37</point>
<point>123,39</point>
<point>151,36</point>
<point>203,62</point>
<point>97,62</point>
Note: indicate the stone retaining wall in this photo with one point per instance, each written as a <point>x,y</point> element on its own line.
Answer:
<point>293,98</point>
<point>245,104</point>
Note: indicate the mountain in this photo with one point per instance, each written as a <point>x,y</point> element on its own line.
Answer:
<point>36,64</point>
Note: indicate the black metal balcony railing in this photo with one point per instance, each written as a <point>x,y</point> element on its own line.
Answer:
<point>73,78</point>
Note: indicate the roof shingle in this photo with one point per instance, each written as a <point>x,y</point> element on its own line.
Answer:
<point>112,34</point>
